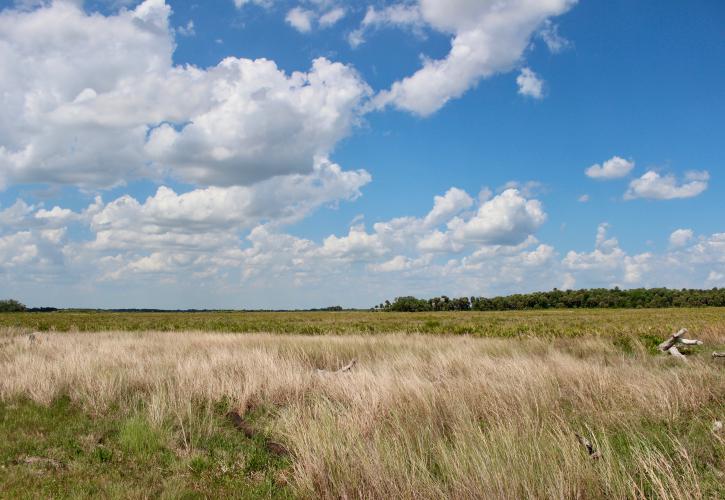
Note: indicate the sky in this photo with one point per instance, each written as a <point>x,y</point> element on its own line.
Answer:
<point>309,153</point>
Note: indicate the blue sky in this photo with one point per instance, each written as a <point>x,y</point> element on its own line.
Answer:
<point>314,152</point>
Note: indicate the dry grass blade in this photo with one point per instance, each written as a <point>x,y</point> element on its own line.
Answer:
<point>417,417</point>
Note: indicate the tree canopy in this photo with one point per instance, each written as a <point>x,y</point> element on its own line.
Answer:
<point>565,299</point>
<point>10,305</point>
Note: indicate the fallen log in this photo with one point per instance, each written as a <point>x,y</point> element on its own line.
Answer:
<point>670,345</point>
<point>674,351</point>
<point>665,346</point>
<point>718,354</point>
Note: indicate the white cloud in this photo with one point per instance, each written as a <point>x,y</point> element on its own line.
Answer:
<point>263,123</point>
<point>228,245</point>
<point>104,104</point>
<point>15,214</point>
<point>569,282</point>
<point>358,245</point>
<point>262,3</point>
<point>332,17</point>
<point>716,279</point>
<point>322,14</point>
<point>45,133</point>
<point>654,186</point>
<point>549,33</point>
<point>205,217</point>
<point>300,19</point>
<point>187,29</point>
<point>17,249</point>
<point>530,84</point>
<point>488,38</point>
<point>680,237</point>
<point>400,263</point>
<point>613,168</point>
<point>407,16</point>
<point>505,219</point>
<point>608,265</point>
<point>583,198</point>
<point>445,207</point>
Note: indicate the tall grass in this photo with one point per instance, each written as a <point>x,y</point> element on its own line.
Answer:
<point>418,417</point>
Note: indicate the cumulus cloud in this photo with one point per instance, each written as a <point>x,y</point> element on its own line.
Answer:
<point>104,104</point>
<point>654,186</point>
<point>400,263</point>
<point>680,237</point>
<point>608,264</point>
<point>300,19</point>
<point>263,123</point>
<point>508,219</point>
<point>233,247</point>
<point>613,168</point>
<point>200,219</point>
<point>530,84</point>
<point>406,16</point>
<point>445,207</point>
<point>488,37</point>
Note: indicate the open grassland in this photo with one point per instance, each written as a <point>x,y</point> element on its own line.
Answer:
<point>547,323</point>
<point>139,414</point>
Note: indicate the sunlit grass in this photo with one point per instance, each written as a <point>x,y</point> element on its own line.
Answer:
<point>640,323</point>
<point>419,416</point>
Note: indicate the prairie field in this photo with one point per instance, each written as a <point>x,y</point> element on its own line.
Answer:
<point>361,405</point>
<point>542,324</point>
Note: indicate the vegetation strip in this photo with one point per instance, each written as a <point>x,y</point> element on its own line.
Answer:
<point>418,416</point>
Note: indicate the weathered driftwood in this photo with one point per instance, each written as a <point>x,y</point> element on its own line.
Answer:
<point>670,345</point>
<point>348,366</point>
<point>718,354</point>
<point>593,454</point>
<point>717,426</point>
<point>344,369</point>
<point>664,346</point>
<point>675,352</point>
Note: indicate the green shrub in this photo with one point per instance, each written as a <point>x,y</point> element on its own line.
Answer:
<point>11,305</point>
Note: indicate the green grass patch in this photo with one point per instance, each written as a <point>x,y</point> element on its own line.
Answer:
<point>57,451</point>
<point>643,323</point>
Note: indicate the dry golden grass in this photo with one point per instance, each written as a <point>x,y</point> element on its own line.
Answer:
<point>419,416</point>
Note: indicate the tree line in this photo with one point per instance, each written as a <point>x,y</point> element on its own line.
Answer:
<point>11,305</point>
<point>564,299</point>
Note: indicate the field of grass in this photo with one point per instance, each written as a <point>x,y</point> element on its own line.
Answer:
<point>549,323</point>
<point>132,412</point>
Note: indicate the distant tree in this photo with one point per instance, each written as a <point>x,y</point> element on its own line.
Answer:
<point>409,304</point>
<point>11,305</point>
<point>570,299</point>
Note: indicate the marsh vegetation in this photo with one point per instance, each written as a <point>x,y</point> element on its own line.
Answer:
<point>147,413</point>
